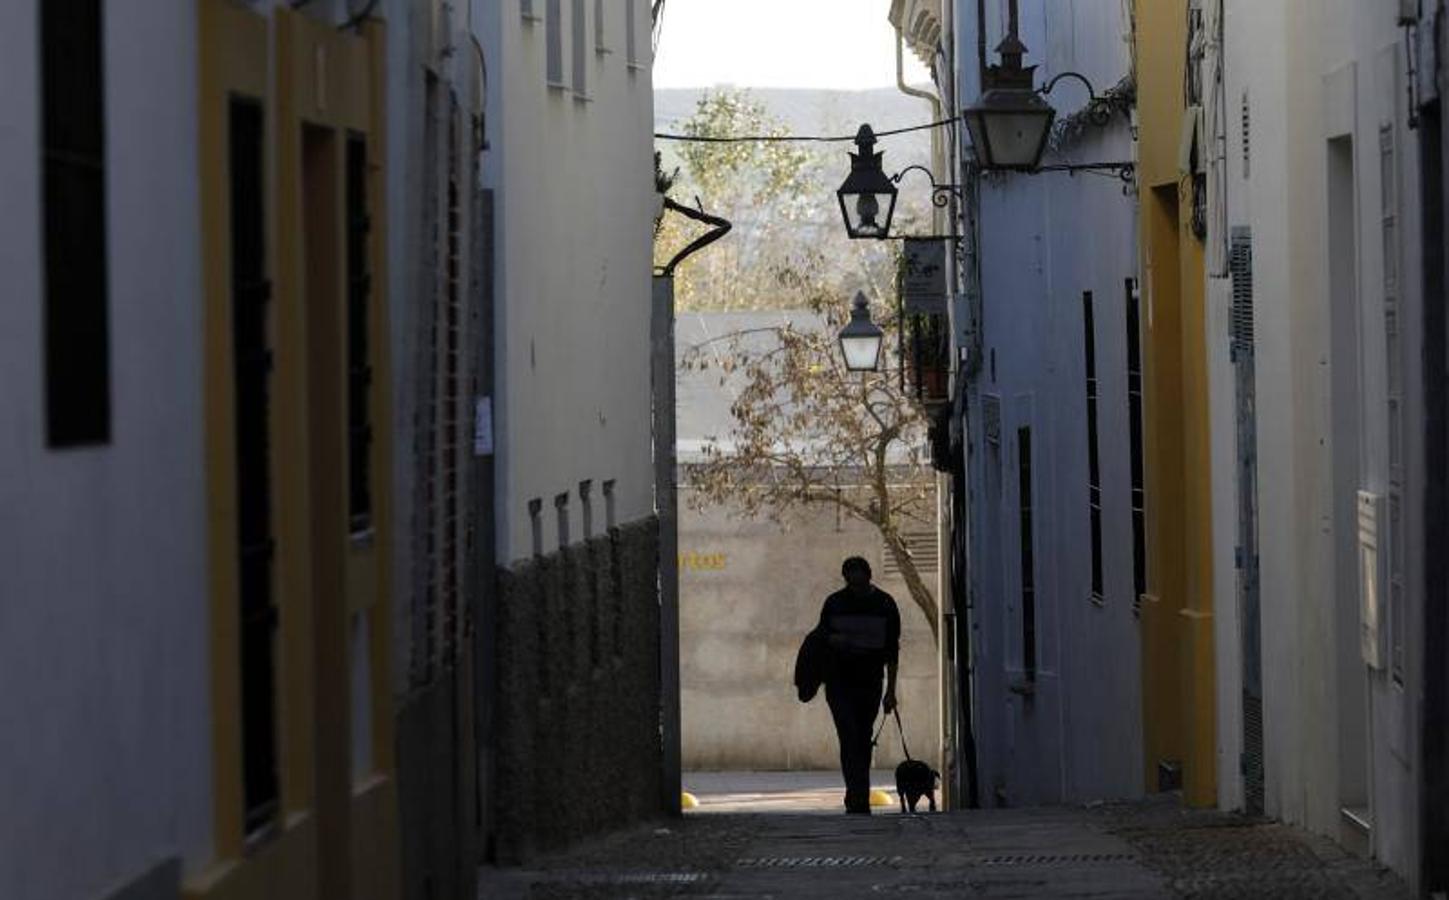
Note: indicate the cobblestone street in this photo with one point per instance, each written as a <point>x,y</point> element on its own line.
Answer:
<point>798,849</point>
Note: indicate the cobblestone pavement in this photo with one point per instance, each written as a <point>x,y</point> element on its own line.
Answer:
<point>1152,849</point>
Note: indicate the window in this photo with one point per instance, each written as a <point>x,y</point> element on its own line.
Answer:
<point>586,507</point>
<point>535,521</point>
<point>77,340</point>
<point>252,367</point>
<point>561,510</point>
<point>599,45</point>
<point>1394,363</point>
<point>1028,566</point>
<point>1134,415</point>
<point>359,370</point>
<point>1094,467</point>
<point>580,51</point>
<point>554,38</point>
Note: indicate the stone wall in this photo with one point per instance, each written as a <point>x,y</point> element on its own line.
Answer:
<point>577,729</point>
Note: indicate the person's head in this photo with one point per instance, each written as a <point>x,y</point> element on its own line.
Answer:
<point>856,572</point>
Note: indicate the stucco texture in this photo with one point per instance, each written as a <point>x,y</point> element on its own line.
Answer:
<point>749,590</point>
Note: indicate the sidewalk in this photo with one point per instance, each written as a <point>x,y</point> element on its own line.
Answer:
<point>769,835</point>
<point>821,793</point>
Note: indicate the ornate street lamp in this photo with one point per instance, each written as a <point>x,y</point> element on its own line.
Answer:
<point>1012,122</point>
<point>868,197</point>
<point>860,340</point>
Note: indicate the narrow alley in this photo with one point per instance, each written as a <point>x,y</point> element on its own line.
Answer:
<point>462,449</point>
<point>801,849</point>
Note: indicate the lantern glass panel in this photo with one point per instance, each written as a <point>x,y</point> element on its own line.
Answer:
<point>862,352</point>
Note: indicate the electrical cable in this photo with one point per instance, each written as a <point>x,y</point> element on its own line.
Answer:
<point>793,138</point>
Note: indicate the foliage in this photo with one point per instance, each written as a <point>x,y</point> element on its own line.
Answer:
<point>805,433</point>
<point>808,434</point>
<point>780,196</point>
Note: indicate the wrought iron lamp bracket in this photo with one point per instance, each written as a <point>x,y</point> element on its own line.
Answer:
<point>1099,110</point>
<point>941,194</point>
<point>1126,172</point>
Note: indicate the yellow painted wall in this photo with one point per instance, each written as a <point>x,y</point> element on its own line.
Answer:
<point>1179,718</point>
<point>336,834</point>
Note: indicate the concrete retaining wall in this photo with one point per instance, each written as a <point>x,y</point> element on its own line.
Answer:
<point>749,591</point>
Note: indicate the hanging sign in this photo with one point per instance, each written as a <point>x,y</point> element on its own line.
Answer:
<point>923,277</point>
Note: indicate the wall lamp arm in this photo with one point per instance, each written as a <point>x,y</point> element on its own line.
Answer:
<point>1098,109</point>
<point>719,228</point>
<point>941,194</point>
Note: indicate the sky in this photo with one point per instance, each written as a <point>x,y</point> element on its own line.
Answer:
<point>840,44</point>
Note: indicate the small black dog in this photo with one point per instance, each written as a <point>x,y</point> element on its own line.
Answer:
<point>914,780</point>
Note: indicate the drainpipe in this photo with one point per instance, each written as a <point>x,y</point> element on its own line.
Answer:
<point>950,699</point>
<point>924,95</point>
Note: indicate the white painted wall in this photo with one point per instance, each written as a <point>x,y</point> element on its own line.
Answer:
<point>1314,71</point>
<point>575,199</point>
<point>1045,240</point>
<point>106,763</point>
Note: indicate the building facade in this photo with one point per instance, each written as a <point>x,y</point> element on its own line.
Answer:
<point>262,600</point>
<point>1283,397</point>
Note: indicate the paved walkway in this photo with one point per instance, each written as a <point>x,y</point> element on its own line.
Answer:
<point>780,836</point>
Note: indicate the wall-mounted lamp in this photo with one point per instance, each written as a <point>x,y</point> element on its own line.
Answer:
<point>1011,123</point>
<point>860,339</point>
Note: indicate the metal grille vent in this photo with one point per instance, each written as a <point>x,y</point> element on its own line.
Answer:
<point>815,862</point>
<point>923,549</point>
<point>1247,137</point>
<point>1240,262</point>
<point>658,878</point>
<point>1252,764</point>
<point>1061,859</point>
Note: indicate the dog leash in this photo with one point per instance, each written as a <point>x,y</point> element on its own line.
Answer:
<point>899,728</point>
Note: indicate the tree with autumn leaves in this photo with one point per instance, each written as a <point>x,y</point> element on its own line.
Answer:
<point>805,433</point>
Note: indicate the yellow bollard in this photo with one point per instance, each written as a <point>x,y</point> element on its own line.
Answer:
<point>688,801</point>
<point>881,798</point>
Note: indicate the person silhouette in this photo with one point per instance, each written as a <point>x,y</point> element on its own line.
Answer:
<point>862,626</point>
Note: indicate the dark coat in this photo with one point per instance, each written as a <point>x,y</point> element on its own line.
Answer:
<point>813,664</point>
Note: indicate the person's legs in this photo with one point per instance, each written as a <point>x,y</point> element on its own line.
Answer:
<point>853,706</point>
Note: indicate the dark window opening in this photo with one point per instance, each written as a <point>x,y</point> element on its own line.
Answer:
<point>359,370</point>
<point>1134,413</point>
<point>1094,467</point>
<point>252,365</point>
<point>77,339</point>
<point>586,507</point>
<point>1028,568</point>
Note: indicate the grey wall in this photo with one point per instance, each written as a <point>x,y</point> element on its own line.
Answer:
<point>749,591</point>
<point>1078,736</point>
<point>105,765</point>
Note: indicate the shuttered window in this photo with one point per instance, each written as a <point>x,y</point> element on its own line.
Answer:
<point>1094,462</point>
<point>359,368</point>
<point>1134,417</point>
<point>73,172</point>
<point>1027,554</point>
<point>252,368</point>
